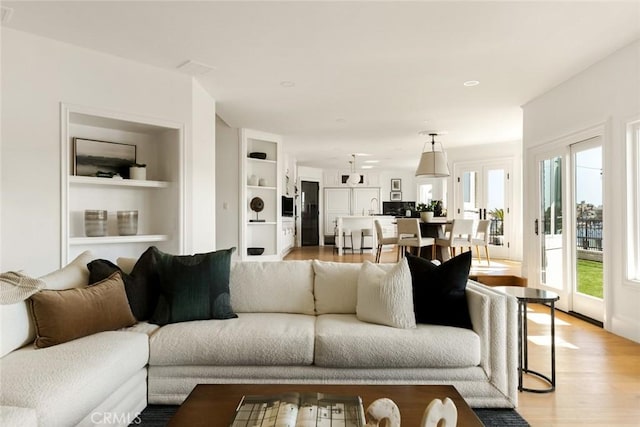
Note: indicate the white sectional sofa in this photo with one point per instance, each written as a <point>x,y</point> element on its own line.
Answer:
<point>89,381</point>
<point>296,323</point>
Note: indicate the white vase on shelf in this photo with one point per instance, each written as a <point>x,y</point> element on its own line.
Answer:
<point>138,172</point>
<point>253,180</point>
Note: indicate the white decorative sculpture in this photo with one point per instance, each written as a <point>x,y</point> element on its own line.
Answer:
<point>381,410</point>
<point>438,411</point>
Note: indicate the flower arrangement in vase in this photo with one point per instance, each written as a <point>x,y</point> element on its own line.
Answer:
<point>426,211</point>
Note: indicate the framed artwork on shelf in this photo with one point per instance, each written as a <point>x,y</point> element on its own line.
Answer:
<point>396,185</point>
<point>101,158</point>
<point>396,196</point>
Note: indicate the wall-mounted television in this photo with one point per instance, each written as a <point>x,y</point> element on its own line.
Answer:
<point>287,206</point>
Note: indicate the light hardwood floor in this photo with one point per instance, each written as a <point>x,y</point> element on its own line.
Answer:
<point>597,373</point>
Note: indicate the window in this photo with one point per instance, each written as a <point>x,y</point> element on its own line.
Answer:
<point>432,189</point>
<point>425,193</point>
<point>633,201</point>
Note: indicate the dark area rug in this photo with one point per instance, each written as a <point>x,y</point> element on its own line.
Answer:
<point>159,415</point>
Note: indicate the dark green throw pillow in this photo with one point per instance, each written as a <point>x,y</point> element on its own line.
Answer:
<point>141,285</point>
<point>439,290</point>
<point>193,287</point>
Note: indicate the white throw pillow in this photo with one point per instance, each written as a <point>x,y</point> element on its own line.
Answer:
<point>384,297</point>
<point>335,286</point>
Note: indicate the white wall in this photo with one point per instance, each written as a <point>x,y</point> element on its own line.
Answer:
<point>38,74</point>
<point>408,184</point>
<point>608,94</point>
<point>201,164</point>
<point>227,187</point>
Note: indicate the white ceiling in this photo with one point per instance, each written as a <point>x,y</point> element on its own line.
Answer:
<point>368,75</point>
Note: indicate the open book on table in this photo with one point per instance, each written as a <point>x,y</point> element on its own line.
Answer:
<point>299,410</point>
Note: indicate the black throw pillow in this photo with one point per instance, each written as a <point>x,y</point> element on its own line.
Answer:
<point>439,290</point>
<point>142,285</point>
<point>193,287</point>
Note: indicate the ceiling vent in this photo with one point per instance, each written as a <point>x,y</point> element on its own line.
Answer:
<point>5,14</point>
<point>194,68</point>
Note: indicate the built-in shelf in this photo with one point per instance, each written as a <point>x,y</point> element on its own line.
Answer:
<point>251,159</point>
<point>260,187</point>
<point>143,238</point>
<point>268,171</point>
<point>159,144</point>
<point>90,180</point>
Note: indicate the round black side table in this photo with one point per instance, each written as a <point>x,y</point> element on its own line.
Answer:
<point>525,296</point>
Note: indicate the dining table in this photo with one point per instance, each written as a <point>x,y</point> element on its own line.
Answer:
<point>435,228</point>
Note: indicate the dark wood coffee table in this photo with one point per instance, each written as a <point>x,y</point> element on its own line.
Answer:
<point>213,405</point>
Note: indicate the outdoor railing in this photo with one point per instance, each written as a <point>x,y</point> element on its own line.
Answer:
<point>589,234</point>
<point>496,232</point>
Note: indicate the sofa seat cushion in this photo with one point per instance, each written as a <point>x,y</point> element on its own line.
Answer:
<point>15,416</point>
<point>251,339</point>
<point>64,382</point>
<point>343,341</point>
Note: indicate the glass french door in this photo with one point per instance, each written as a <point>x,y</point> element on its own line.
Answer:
<point>587,218</point>
<point>549,224</point>
<point>568,225</point>
<point>484,192</point>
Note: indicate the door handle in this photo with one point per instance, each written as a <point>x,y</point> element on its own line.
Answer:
<point>535,227</point>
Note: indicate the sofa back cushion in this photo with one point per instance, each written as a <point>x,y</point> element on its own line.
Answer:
<point>336,286</point>
<point>272,287</point>
<point>17,328</point>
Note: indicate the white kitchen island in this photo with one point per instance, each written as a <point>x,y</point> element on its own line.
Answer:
<point>355,223</point>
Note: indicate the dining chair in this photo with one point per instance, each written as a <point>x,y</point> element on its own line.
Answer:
<point>382,240</point>
<point>481,238</point>
<point>409,236</point>
<point>459,236</point>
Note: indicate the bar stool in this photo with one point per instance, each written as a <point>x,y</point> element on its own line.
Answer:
<point>345,233</point>
<point>365,232</point>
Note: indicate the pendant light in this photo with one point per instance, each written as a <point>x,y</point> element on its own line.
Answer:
<point>354,177</point>
<point>433,163</point>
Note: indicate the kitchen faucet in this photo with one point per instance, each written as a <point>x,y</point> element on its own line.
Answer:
<point>371,205</point>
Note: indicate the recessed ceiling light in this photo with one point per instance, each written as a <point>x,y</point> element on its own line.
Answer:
<point>470,83</point>
<point>195,68</point>
<point>367,167</point>
<point>287,83</point>
<point>362,154</point>
<point>341,120</point>
<point>372,161</point>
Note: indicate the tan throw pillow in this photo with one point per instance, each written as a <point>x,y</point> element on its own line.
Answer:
<point>65,315</point>
<point>384,297</point>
